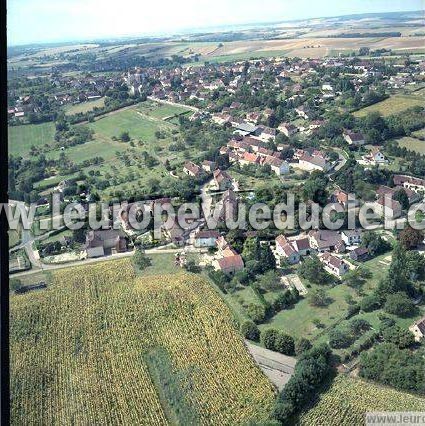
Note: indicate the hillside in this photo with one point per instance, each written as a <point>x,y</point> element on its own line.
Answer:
<point>102,346</point>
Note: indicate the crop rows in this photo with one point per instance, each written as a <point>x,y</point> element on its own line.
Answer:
<point>347,401</point>
<point>77,351</point>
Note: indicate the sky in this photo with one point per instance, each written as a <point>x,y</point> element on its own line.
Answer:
<point>35,21</point>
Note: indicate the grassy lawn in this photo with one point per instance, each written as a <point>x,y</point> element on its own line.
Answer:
<point>245,56</point>
<point>392,105</point>
<point>162,264</point>
<point>412,144</point>
<point>58,237</point>
<point>298,321</point>
<point>142,121</point>
<point>247,182</point>
<point>84,106</point>
<point>22,138</point>
<point>419,133</point>
<point>39,223</point>
<point>160,111</point>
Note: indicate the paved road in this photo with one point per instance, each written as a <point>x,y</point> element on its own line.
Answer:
<point>277,367</point>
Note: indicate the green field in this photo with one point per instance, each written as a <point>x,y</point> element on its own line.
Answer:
<point>412,144</point>
<point>137,124</point>
<point>142,121</point>
<point>298,321</point>
<point>84,106</point>
<point>22,138</point>
<point>393,105</point>
<point>161,111</point>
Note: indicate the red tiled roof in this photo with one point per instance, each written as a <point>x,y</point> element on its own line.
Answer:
<point>231,263</point>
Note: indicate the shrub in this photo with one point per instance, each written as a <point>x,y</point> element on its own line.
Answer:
<point>339,339</point>
<point>250,330</point>
<point>370,303</point>
<point>284,344</point>
<point>302,345</point>
<point>399,304</point>
<point>268,338</point>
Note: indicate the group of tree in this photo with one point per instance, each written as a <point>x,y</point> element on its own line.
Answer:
<point>342,338</point>
<point>392,366</point>
<point>313,271</point>
<point>278,341</point>
<point>311,370</point>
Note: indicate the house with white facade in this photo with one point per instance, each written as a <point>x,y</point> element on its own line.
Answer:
<point>334,265</point>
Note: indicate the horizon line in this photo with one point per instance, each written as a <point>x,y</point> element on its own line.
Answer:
<point>196,30</point>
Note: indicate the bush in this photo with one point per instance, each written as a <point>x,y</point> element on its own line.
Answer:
<point>310,372</point>
<point>358,326</point>
<point>399,336</point>
<point>370,303</point>
<point>339,339</point>
<point>14,284</point>
<point>399,304</point>
<point>140,259</point>
<point>268,338</point>
<point>250,331</point>
<point>352,310</point>
<point>284,344</point>
<point>319,298</point>
<point>302,345</point>
<point>191,266</point>
<point>256,312</point>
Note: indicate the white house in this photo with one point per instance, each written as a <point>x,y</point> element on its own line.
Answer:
<point>310,163</point>
<point>284,249</point>
<point>287,129</point>
<point>334,265</point>
<point>377,157</point>
<point>280,167</point>
<point>207,238</point>
<point>351,237</point>
<point>387,207</point>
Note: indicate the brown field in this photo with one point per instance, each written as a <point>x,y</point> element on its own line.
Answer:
<point>317,47</point>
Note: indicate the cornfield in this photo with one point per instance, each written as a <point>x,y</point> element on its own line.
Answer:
<point>348,399</point>
<point>79,352</point>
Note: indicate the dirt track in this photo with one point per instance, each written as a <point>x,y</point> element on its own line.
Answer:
<point>277,367</point>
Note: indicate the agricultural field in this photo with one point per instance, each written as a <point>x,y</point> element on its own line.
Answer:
<point>84,106</point>
<point>348,399</point>
<point>412,144</point>
<point>23,137</point>
<point>393,105</point>
<point>103,346</point>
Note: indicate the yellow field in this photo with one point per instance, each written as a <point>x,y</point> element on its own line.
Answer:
<point>101,346</point>
<point>347,401</point>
